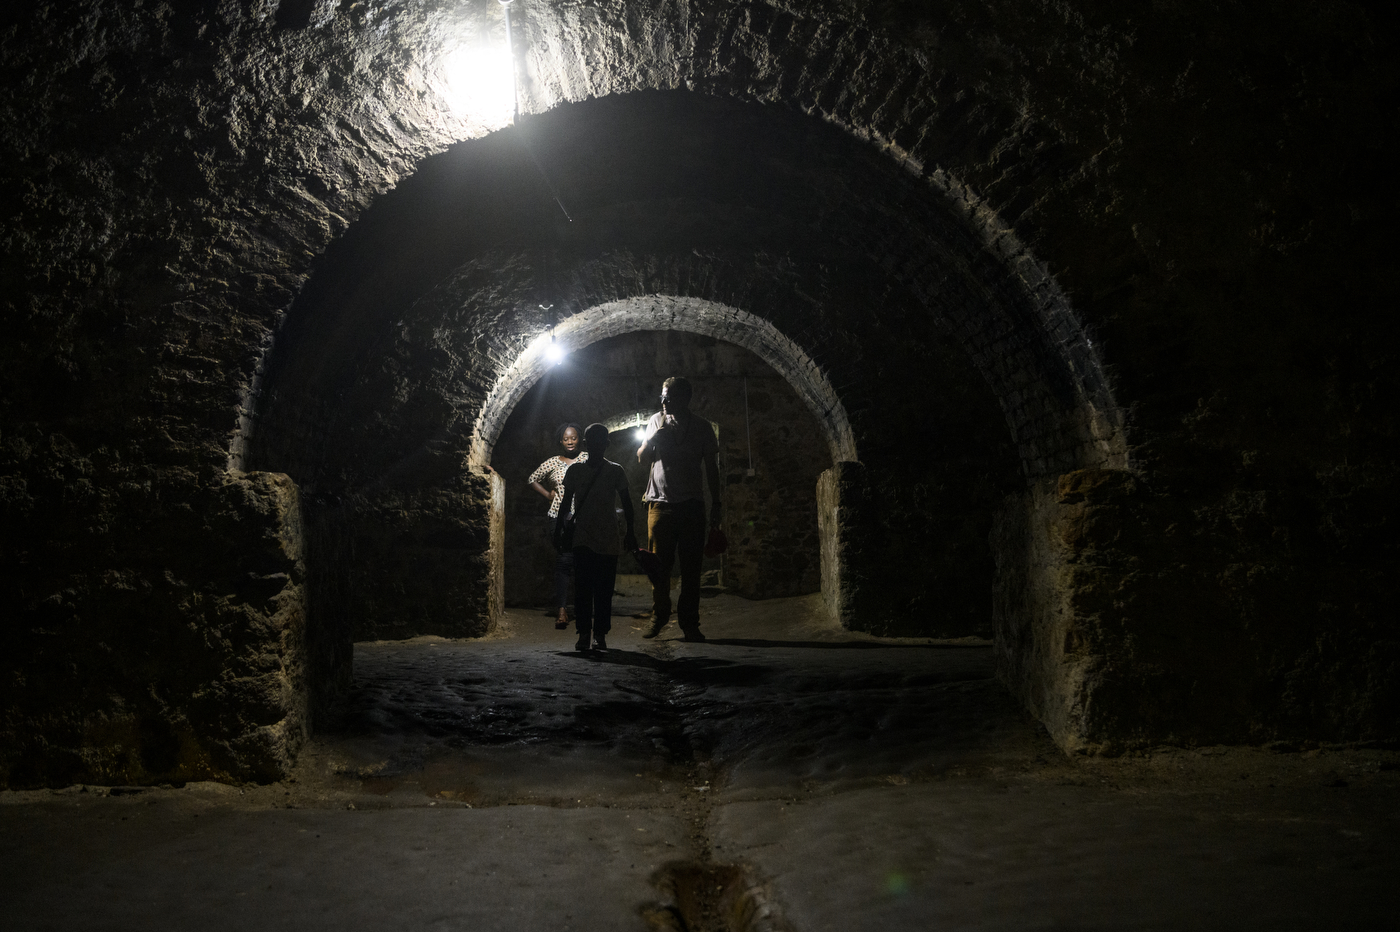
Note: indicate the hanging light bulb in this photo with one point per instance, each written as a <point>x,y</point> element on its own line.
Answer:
<point>554,353</point>
<point>480,84</point>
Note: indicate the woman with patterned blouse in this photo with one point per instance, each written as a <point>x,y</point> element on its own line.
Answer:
<point>552,470</point>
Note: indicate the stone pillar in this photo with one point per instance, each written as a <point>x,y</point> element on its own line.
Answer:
<point>1078,624</point>
<point>496,571</point>
<point>275,670</point>
<point>174,646</point>
<point>1032,615</point>
<point>1128,618</point>
<point>843,523</point>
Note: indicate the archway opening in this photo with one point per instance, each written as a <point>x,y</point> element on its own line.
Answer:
<point>771,455</point>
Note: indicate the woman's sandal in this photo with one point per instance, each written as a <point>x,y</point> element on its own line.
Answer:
<point>561,623</point>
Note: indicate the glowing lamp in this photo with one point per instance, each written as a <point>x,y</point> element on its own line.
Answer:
<point>480,84</point>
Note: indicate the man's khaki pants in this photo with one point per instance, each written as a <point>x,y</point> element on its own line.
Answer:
<point>677,529</point>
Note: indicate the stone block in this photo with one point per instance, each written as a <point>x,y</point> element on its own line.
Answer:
<point>844,528</point>
<point>181,655</point>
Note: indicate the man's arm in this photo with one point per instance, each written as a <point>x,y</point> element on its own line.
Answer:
<point>646,453</point>
<point>629,539</point>
<point>712,479</point>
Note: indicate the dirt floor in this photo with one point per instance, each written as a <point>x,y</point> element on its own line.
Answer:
<point>783,775</point>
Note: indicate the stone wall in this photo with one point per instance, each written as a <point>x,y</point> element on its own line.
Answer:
<point>844,512</point>
<point>1128,617</point>
<point>428,560</point>
<point>143,660</point>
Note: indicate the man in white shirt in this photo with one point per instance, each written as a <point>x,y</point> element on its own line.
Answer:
<point>678,444</point>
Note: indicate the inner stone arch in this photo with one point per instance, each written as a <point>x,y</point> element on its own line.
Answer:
<point>772,453</point>
<point>661,313</point>
<point>667,312</point>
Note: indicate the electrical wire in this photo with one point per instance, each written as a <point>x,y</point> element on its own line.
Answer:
<point>748,439</point>
<point>515,118</point>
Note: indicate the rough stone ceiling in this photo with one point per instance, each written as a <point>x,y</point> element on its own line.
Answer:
<point>300,126</point>
<point>251,135</point>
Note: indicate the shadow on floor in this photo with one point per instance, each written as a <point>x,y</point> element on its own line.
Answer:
<point>840,645</point>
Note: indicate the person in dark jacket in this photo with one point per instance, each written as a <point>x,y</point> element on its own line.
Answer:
<point>590,490</point>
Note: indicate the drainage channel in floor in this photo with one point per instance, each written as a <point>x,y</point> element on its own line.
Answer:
<point>700,894</point>
<point>709,897</point>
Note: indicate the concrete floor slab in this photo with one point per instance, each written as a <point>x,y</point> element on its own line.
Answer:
<point>161,866</point>
<point>978,855</point>
<point>783,775</point>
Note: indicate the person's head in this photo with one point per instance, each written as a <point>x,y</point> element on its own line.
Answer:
<point>569,436</point>
<point>595,441</point>
<point>675,394</point>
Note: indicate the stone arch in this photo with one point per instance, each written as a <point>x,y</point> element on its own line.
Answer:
<point>280,153</point>
<point>921,231</point>
<point>665,312</point>
<point>831,440</point>
<point>633,418</point>
<point>1008,316</point>
<point>912,110</point>
<point>922,114</point>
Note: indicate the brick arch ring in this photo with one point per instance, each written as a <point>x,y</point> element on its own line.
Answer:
<point>664,312</point>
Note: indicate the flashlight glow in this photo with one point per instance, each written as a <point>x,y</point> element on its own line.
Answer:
<point>480,84</point>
